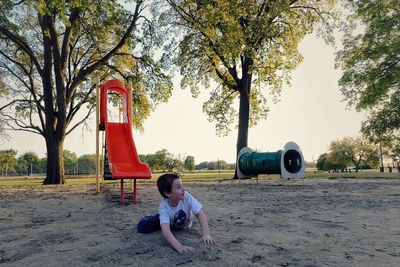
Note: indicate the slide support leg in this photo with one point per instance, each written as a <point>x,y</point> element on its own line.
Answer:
<point>121,193</point>
<point>134,192</point>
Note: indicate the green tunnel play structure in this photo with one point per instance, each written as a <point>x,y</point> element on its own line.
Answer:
<point>288,162</point>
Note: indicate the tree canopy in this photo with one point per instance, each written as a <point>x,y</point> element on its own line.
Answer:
<point>370,57</point>
<point>52,54</point>
<point>384,123</point>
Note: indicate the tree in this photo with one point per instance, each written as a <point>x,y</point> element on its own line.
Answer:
<point>246,47</point>
<point>189,163</point>
<point>161,158</point>
<point>371,59</point>
<point>222,165</point>
<point>321,161</point>
<point>376,131</point>
<point>339,153</point>
<point>87,163</point>
<point>26,162</point>
<point>42,165</point>
<point>8,161</point>
<point>383,125</point>
<point>371,159</point>
<point>202,166</point>
<point>52,53</point>
<point>395,154</point>
<point>371,64</point>
<point>350,150</point>
<point>70,160</point>
<point>173,163</point>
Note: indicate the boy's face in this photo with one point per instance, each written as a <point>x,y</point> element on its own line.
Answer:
<point>177,191</point>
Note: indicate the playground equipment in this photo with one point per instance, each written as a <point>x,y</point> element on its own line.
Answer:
<point>289,162</point>
<point>119,146</point>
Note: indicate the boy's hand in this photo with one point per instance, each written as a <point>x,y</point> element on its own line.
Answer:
<point>207,239</point>
<point>183,249</point>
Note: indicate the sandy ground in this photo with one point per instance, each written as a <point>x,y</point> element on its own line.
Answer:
<point>344,222</point>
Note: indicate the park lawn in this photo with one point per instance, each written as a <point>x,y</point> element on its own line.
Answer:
<point>190,177</point>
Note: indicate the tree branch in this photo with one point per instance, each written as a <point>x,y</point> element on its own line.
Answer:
<point>90,111</point>
<point>84,72</point>
<point>22,45</point>
<point>67,37</point>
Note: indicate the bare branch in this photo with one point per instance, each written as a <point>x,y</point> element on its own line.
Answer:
<point>22,45</point>
<point>90,111</point>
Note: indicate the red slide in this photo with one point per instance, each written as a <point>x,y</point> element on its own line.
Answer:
<point>123,158</point>
<point>122,155</point>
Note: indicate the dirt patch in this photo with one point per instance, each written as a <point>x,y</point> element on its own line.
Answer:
<point>341,222</point>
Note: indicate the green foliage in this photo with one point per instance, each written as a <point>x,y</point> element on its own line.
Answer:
<point>8,161</point>
<point>26,162</point>
<point>41,165</point>
<point>394,153</point>
<point>214,165</point>
<point>324,163</point>
<point>70,160</point>
<point>340,152</point>
<point>370,57</point>
<point>87,163</point>
<point>162,160</point>
<point>371,159</point>
<point>383,125</point>
<point>247,47</point>
<point>189,163</point>
<point>352,151</point>
<point>376,130</point>
<point>321,161</point>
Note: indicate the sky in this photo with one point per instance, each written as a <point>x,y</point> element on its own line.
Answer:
<point>311,112</point>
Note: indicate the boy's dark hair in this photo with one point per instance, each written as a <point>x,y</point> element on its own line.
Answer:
<point>164,183</point>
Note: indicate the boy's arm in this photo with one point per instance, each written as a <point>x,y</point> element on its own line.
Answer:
<point>206,238</point>
<point>166,230</point>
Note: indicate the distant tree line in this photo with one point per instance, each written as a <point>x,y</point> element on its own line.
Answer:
<point>215,165</point>
<point>29,163</point>
<point>165,161</point>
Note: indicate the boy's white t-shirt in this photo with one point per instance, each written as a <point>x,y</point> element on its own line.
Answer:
<point>179,217</point>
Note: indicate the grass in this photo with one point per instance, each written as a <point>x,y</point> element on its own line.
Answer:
<point>194,177</point>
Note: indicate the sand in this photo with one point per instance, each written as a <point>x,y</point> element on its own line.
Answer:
<point>343,222</point>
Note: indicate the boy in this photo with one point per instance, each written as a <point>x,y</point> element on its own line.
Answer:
<point>175,213</point>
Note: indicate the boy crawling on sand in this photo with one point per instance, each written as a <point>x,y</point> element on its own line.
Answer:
<point>175,213</point>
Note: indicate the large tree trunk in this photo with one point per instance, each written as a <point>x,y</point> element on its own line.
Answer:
<point>244,112</point>
<point>244,115</point>
<point>357,164</point>
<point>54,93</point>
<point>55,161</point>
<point>381,169</point>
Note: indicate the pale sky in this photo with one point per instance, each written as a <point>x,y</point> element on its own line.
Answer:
<point>310,113</point>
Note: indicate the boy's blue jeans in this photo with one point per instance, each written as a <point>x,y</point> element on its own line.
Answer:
<point>149,224</point>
